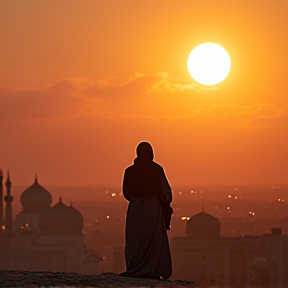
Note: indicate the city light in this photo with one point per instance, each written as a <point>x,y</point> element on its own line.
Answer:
<point>185,218</point>
<point>107,217</point>
<point>230,197</point>
<point>113,194</point>
<point>251,214</point>
<point>25,226</point>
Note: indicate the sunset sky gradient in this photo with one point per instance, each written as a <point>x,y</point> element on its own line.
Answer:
<point>83,82</point>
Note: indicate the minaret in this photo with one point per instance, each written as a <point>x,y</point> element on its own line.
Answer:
<point>8,212</point>
<point>1,199</point>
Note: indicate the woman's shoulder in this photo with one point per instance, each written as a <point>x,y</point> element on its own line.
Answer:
<point>129,168</point>
<point>155,165</point>
<point>158,166</point>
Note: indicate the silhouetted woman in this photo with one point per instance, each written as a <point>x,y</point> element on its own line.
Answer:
<point>146,188</point>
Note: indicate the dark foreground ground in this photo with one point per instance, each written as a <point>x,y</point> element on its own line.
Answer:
<point>12,278</point>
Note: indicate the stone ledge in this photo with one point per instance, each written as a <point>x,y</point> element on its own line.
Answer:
<point>17,279</point>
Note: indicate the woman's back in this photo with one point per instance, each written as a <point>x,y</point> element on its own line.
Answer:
<point>142,179</point>
<point>145,185</point>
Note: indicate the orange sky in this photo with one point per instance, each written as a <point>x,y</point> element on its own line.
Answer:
<point>83,82</point>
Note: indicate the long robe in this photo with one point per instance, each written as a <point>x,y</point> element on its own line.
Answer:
<point>147,250</point>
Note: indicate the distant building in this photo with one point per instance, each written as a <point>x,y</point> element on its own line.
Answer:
<point>209,259</point>
<point>118,259</point>
<point>1,199</point>
<point>44,238</point>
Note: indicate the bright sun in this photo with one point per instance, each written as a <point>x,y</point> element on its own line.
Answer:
<point>208,64</point>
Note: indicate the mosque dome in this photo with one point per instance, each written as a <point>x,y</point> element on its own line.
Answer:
<point>61,219</point>
<point>203,226</point>
<point>36,198</point>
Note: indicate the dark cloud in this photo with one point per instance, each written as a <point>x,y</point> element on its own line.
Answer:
<point>57,100</point>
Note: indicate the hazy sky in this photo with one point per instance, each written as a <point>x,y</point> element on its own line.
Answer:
<point>83,82</point>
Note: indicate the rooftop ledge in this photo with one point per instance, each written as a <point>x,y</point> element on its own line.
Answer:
<point>19,279</point>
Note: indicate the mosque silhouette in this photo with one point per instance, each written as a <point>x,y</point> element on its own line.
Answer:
<point>208,258</point>
<point>43,237</point>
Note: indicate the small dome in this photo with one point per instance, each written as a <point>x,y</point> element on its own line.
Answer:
<point>61,219</point>
<point>36,198</point>
<point>203,226</point>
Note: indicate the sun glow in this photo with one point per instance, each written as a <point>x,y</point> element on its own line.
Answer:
<point>209,63</point>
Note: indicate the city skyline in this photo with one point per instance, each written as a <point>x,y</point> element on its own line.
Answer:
<point>207,247</point>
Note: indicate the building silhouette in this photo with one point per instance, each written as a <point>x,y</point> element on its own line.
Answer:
<point>209,259</point>
<point>44,237</point>
<point>1,199</point>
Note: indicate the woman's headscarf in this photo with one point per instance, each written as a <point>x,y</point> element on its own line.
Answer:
<point>144,151</point>
<point>144,179</point>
